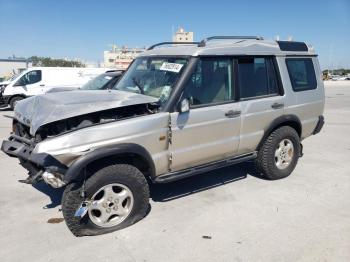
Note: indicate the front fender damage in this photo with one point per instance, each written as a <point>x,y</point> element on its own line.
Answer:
<point>33,127</point>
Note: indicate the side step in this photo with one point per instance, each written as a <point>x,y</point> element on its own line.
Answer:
<point>177,175</point>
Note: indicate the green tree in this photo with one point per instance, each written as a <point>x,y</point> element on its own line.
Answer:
<point>48,61</point>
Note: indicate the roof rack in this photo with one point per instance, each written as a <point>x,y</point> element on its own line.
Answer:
<point>227,37</point>
<point>205,40</point>
<point>173,43</point>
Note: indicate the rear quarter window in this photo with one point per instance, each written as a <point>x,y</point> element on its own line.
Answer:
<point>301,74</point>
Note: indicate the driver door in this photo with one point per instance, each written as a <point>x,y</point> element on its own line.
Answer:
<point>210,130</point>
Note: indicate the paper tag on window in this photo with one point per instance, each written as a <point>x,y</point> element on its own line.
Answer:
<point>108,77</point>
<point>172,67</point>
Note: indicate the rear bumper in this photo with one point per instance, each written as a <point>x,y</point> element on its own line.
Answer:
<point>22,149</point>
<point>319,125</point>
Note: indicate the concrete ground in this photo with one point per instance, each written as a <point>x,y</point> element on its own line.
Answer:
<point>226,215</point>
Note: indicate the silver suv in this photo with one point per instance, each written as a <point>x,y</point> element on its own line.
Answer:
<point>179,110</point>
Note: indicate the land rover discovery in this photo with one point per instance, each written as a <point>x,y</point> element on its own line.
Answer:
<point>179,110</point>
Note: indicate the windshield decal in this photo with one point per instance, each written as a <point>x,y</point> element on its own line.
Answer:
<point>172,67</point>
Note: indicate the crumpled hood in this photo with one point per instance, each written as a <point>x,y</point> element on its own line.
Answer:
<point>43,109</point>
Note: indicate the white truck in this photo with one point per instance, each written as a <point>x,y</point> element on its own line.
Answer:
<point>39,80</point>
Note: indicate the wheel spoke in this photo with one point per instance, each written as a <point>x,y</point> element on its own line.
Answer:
<point>97,204</point>
<point>104,216</point>
<point>288,158</point>
<point>281,144</point>
<point>289,146</point>
<point>122,211</point>
<point>279,161</point>
<point>277,152</point>
<point>123,195</point>
<point>108,192</point>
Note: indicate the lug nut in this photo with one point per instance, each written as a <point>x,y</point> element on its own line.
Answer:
<point>108,210</point>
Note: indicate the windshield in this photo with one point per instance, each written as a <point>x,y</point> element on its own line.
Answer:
<point>97,83</point>
<point>152,76</point>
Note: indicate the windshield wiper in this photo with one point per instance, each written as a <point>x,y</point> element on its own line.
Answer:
<point>139,86</point>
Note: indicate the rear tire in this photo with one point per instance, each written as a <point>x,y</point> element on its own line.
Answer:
<point>279,153</point>
<point>128,177</point>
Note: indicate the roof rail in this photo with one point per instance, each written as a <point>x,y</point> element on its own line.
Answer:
<point>173,43</point>
<point>227,37</point>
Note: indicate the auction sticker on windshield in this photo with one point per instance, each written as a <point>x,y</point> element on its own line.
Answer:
<point>172,67</point>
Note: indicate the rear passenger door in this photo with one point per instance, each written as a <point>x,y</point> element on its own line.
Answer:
<point>261,98</point>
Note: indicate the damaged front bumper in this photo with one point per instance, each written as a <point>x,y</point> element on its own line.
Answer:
<point>39,165</point>
<point>4,100</point>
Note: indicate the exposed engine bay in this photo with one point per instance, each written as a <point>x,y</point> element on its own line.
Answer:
<point>74,123</point>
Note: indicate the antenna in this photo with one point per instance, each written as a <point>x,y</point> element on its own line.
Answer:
<point>172,32</point>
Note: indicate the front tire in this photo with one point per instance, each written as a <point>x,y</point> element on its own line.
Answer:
<point>279,153</point>
<point>14,100</point>
<point>119,195</point>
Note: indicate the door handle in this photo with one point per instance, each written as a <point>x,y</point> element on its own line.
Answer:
<point>42,85</point>
<point>232,113</point>
<point>277,105</point>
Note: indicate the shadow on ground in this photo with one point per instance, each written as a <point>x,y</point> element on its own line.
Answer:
<point>55,194</point>
<point>174,190</point>
<point>206,181</point>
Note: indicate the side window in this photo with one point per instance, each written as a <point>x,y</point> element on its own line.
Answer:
<point>301,73</point>
<point>211,82</point>
<point>31,77</point>
<point>257,77</point>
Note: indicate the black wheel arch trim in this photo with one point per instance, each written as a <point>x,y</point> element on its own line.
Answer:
<point>280,121</point>
<point>16,95</point>
<point>9,99</point>
<point>75,169</point>
<point>6,99</point>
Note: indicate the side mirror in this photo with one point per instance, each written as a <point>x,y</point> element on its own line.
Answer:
<point>184,106</point>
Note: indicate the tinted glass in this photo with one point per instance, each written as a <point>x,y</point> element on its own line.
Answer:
<point>257,77</point>
<point>211,82</point>
<point>301,73</point>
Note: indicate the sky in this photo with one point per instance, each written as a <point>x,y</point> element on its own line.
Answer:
<point>85,28</point>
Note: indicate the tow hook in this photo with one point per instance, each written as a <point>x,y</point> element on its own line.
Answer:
<point>83,208</point>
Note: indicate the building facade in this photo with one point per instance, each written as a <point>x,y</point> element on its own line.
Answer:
<point>182,36</point>
<point>120,57</point>
<point>12,66</point>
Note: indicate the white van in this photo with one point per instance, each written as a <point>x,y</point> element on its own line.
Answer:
<point>39,80</point>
